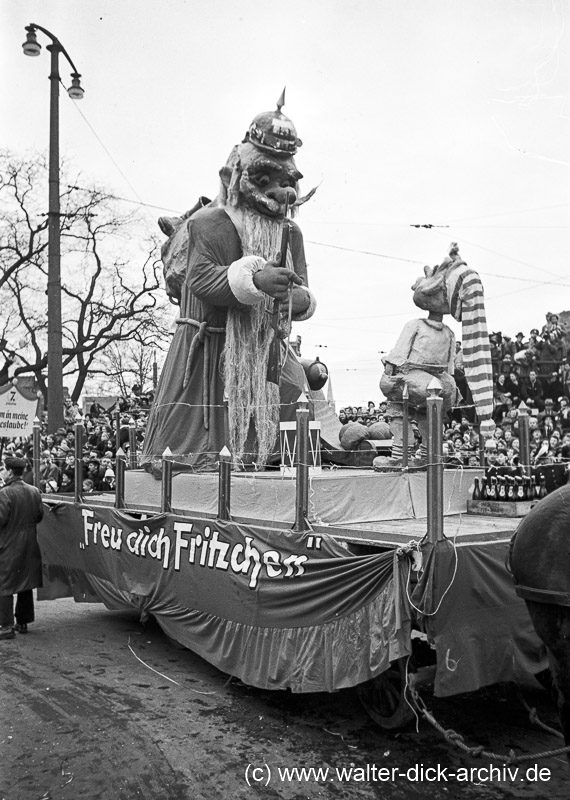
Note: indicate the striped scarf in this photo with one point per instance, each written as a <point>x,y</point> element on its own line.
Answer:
<point>467,305</point>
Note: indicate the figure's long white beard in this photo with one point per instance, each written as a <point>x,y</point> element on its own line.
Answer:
<point>251,398</point>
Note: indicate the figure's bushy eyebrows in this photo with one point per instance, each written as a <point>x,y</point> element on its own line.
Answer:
<point>266,164</point>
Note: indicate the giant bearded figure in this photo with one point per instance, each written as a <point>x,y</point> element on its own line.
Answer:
<point>224,268</point>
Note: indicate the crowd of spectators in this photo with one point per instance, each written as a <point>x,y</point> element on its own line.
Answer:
<point>365,415</point>
<point>533,371</point>
<point>99,453</point>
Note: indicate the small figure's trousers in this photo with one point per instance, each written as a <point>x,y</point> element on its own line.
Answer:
<point>24,608</point>
<point>395,410</point>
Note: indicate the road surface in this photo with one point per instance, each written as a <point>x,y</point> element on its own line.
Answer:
<point>94,705</point>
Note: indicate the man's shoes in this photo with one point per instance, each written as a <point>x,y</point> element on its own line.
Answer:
<point>7,632</point>
<point>21,627</point>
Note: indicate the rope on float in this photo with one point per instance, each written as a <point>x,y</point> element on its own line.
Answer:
<point>479,752</point>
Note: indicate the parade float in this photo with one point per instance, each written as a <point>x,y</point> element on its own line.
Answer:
<point>246,529</point>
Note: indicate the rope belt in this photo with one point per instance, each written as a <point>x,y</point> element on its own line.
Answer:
<point>202,337</point>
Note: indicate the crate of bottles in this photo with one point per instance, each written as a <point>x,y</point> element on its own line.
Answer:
<point>499,508</point>
<point>505,495</point>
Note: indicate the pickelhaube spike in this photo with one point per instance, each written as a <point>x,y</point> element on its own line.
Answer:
<point>281,101</point>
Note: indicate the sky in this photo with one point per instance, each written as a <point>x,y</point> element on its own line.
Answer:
<point>446,113</point>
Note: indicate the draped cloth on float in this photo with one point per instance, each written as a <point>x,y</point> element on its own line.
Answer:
<point>278,609</point>
<point>466,602</point>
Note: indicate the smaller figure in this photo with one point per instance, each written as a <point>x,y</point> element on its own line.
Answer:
<point>424,350</point>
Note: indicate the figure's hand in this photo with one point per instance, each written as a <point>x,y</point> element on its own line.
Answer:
<point>275,280</point>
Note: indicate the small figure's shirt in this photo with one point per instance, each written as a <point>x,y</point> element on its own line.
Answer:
<point>424,343</point>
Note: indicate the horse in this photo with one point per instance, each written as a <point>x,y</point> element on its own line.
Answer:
<point>539,560</point>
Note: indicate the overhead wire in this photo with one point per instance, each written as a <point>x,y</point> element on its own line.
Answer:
<point>107,151</point>
<point>430,226</point>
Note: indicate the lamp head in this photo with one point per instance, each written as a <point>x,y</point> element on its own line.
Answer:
<point>75,91</point>
<point>31,46</point>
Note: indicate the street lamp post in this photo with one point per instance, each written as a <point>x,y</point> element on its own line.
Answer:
<point>32,47</point>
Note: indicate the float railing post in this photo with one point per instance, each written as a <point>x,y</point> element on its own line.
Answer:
<point>302,467</point>
<point>166,482</point>
<point>120,466</point>
<point>406,422</point>
<point>132,444</point>
<point>36,453</point>
<point>524,438</point>
<point>224,484</point>
<point>435,462</point>
<point>79,432</point>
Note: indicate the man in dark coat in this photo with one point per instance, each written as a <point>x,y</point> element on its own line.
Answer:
<point>20,559</point>
<point>532,392</point>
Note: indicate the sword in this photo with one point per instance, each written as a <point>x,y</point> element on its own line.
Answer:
<point>274,365</point>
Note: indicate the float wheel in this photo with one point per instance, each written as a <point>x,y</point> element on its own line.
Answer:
<point>385,697</point>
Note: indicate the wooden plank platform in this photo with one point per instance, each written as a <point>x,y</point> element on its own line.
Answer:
<point>462,528</point>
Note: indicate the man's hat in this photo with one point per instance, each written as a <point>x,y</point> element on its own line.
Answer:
<point>520,333</point>
<point>273,132</point>
<point>12,462</point>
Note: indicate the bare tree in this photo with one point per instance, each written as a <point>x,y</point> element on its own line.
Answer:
<point>125,365</point>
<point>24,228</point>
<point>111,274</point>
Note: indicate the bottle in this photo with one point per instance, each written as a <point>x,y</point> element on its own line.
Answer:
<point>527,488</point>
<point>533,489</point>
<point>511,491</point>
<point>519,489</point>
<point>484,491</point>
<point>502,489</point>
<point>492,490</point>
<point>542,490</point>
<point>476,491</point>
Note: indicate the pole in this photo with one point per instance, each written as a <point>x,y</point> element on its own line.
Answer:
<point>117,418</point>
<point>224,484</point>
<point>481,450</point>
<point>79,430</point>
<point>435,462</point>
<point>120,465</point>
<point>154,372</point>
<point>524,439</point>
<point>36,446</point>
<point>55,346</point>
<point>302,465</point>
